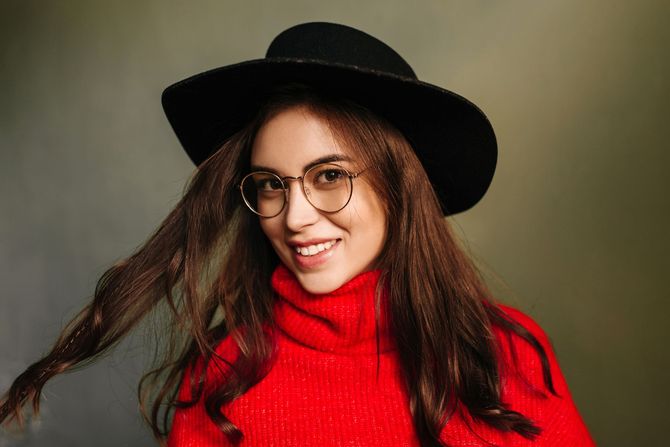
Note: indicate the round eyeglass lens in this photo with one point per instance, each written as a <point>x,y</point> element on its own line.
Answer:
<point>328,187</point>
<point>264,193</point>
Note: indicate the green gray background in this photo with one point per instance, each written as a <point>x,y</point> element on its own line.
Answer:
<point>572,231</point>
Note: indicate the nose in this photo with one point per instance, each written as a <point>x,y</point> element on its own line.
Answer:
<point>298,212</point>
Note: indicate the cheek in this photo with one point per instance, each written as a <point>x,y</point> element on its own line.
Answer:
<point>367,221</point>
<point>377,228</point>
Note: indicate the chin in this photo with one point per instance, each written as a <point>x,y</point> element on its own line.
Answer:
<point>319,283</point>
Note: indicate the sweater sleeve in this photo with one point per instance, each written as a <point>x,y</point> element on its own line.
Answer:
<point>557,416</point>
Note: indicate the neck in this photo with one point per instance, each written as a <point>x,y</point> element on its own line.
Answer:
<point>342,321</point>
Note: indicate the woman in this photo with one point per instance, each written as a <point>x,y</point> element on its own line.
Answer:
<point>316,293</point>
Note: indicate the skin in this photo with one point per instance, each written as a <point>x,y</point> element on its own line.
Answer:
<point>287,143</point>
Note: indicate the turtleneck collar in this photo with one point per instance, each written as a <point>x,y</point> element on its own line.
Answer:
<point>342,321</point>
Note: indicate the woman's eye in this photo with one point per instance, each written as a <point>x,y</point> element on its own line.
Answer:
<point>330,176</point>
<point>269,185</point>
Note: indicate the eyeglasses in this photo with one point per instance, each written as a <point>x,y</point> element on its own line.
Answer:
<point>327,186</point>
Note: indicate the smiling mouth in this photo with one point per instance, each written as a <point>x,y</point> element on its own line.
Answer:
<point>315,249</point>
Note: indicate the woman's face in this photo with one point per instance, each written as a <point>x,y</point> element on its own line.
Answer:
<point>286,145</point>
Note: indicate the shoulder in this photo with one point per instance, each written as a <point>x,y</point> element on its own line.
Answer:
<point>528,364</point>
<point>218,366</point>
<point>191,423</point>
<point>527,388</point>
<point>524,320</point>
<point>526,352</point>
<point>531,335</point>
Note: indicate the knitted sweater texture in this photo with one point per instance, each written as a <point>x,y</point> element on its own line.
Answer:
<point>328,387</point>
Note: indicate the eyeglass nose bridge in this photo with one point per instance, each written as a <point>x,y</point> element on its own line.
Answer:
<point>302,185</point>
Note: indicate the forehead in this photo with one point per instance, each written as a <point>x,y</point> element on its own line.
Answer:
<point>294,139</point>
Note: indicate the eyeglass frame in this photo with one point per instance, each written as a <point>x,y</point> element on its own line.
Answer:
<point>285,188</point>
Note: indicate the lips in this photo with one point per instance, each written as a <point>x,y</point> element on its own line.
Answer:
<point>313,253</point>
<point>313,249</point>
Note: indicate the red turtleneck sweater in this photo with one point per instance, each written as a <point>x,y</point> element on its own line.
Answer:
<point>323,389</point>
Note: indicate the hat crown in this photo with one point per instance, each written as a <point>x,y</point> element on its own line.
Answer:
<point>333,43</point>
<point>452,138</point>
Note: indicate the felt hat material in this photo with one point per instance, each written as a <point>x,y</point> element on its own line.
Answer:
<point>451,136</point>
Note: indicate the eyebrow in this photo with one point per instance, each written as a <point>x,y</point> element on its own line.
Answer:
<point>327,159</point>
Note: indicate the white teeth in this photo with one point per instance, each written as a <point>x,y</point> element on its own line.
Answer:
<point>311,250</point>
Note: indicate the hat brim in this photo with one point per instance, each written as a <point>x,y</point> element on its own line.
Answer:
<point>452,137</point>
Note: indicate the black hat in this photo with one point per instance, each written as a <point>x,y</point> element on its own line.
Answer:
<point>451,136</point>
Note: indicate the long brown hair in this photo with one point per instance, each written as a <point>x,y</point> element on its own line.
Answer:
<point>206,273</point>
